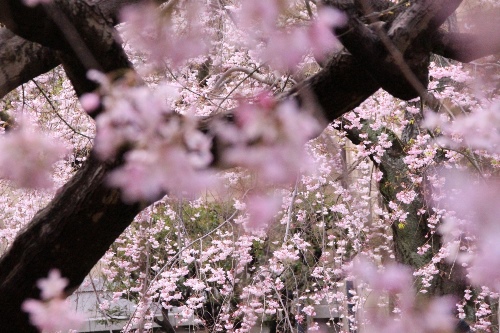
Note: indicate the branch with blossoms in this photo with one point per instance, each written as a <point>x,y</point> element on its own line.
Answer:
<point>86,197</point>
<point>411,185</point>
<point>93,200</point>
<point>52,313</point>
<point>406,164</point>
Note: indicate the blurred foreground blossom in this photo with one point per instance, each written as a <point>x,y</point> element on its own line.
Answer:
<point>259,15</point>
<point>28,156</point>
<point>286,48</point>
<point>90,102</point>
<point>395,278</point>
<point>320,32</point>
<point>474,218</point>
<point>53,313</point>
<point>53,285</point>
<point>409,315</point>
<point>165,151</point>
<point>269,139</point>
<point>175,38</point>
<point>261,210</point>
<point>477,129</point>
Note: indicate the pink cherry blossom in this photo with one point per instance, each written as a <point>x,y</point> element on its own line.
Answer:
<point>261,210</point>
<point>300,203</point>
<point>166,37</point>
<point>53,314</point>
<point>279,134</point>
<point>90,102</point>
<point>28,156</point>
<point>259,14</point>
<point>394,279</point>
<point>53,285</point>
<point>320,33</point>
<point>286,49</point>
<point>474,218</point>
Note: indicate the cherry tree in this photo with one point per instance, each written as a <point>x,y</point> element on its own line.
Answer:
<point>153,100</point>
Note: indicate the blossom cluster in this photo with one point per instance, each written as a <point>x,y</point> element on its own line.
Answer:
<point>52,313</point>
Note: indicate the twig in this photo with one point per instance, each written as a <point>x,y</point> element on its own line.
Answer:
<point>57,113</point>
<point>290,210</point>
<point>251,73</point>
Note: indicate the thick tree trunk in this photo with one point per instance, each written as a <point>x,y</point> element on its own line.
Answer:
<point>415,231</point>
<point>75,230</point>
<point>71,234</point>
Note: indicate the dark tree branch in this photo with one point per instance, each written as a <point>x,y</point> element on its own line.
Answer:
<point>22,60</point>
<point>398,58</point>
<point>165,323</point>
<point>72,233</point>
<point>422,18</point>
<point>465,47</point>
<point>75,230</point>
<point>339,87</point>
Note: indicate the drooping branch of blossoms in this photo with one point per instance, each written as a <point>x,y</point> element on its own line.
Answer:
<point>404,188</point>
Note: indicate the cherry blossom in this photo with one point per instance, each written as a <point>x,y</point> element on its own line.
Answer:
<point>166,37</point>
<point>90,102</point>
<point>261,210</point>
<point>53,314</point>
<point>474,218</point>
<point>53,285</point>
<point>28,156</point>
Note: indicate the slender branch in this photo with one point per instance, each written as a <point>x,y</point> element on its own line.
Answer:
<point>250,72</point>
<point>57,113</point>
<point>290,210</point>
<point>308,7</point>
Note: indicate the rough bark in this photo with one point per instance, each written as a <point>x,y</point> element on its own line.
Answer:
<point>339,87</point>
<point>71,234</point>
<point>75,230</point>
<point>396,55</point>
<point>22,60</point>
<point>83,38</point>
<point>16,59</point>
<point>415,232</point>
